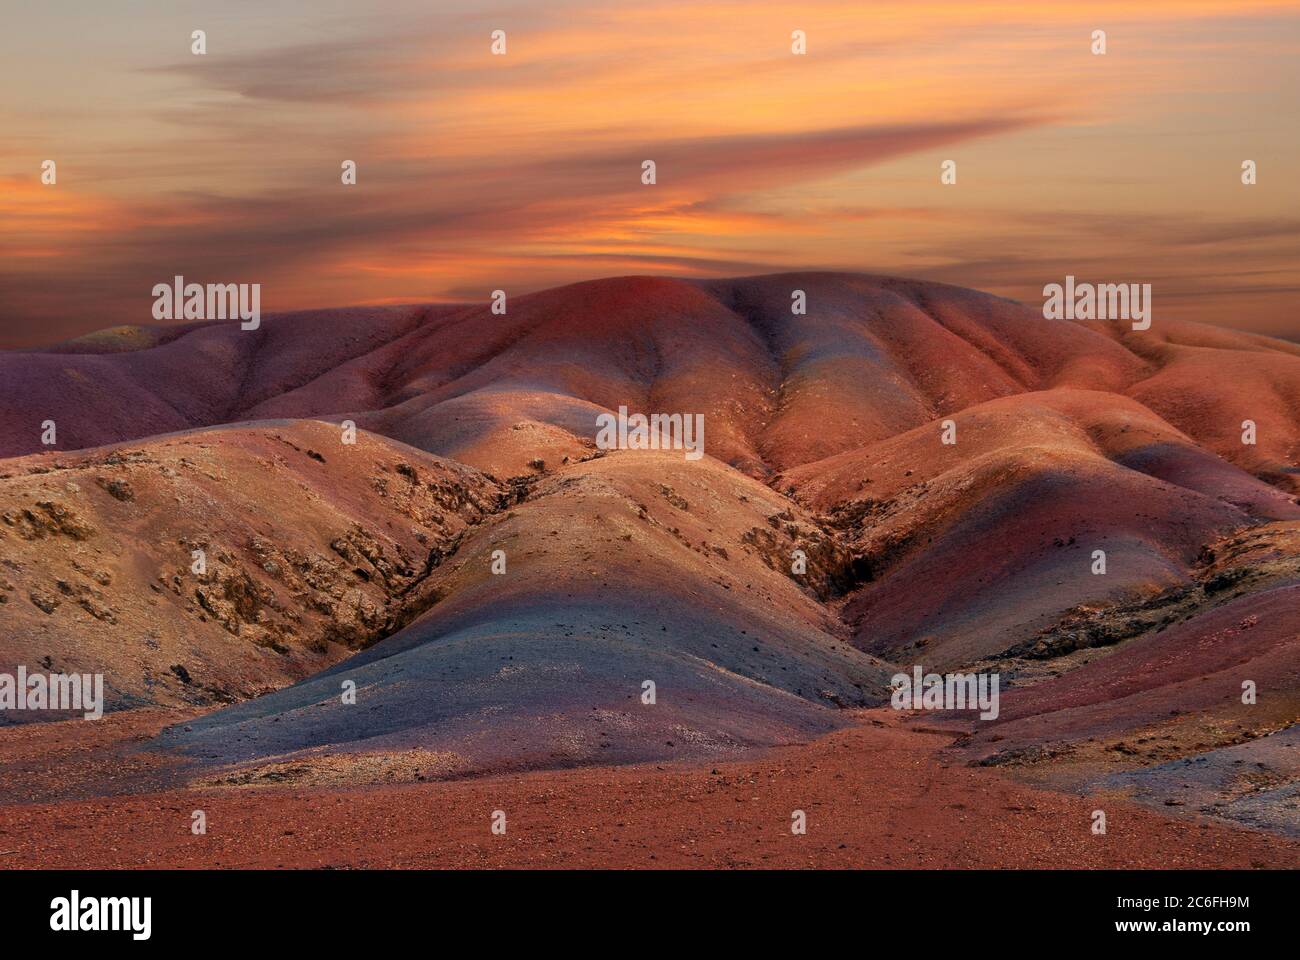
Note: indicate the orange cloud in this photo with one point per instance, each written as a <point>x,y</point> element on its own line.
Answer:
<point>478,171</point>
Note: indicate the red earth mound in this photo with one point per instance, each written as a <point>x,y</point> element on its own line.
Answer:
<point>870,358</point>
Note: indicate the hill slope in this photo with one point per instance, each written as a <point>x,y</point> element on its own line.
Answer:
<point>373,562</point>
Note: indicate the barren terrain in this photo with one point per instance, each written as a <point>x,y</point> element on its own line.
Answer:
<point>497,591</point>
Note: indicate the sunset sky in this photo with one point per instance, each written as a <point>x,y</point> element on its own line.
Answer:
<point>523,171</point>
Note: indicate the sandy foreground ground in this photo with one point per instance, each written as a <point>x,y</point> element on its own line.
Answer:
<point>882,793</point>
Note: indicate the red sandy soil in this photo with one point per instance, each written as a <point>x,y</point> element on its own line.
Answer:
<point>1176,692</point>
<point>880,793</point>
<point>975,547</point>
